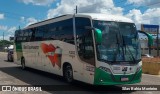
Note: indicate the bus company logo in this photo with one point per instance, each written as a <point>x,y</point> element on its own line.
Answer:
<point>6,88</point>
<point>53,53</point>
<point>124,68</point>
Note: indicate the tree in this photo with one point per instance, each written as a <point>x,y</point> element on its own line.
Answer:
<point>5,43</point>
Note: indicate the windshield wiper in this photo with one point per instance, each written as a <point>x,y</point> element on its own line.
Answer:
<point>117,50</point>
<point>124,44</point>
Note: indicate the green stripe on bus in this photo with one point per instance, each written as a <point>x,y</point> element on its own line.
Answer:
<point>19,51</point>
<point>18,47</point>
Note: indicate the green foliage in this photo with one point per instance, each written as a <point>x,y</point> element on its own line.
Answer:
<point>5,43</point>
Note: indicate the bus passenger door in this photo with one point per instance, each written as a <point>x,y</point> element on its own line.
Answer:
<point>86,54</point>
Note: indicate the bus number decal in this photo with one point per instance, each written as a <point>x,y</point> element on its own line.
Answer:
<point>72,54</point>
<point>90,68</point>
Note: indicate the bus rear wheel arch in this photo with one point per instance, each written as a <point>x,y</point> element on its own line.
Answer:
<point>68,72</point>
<point>23,63</point>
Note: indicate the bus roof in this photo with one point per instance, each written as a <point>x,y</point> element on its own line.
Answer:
<point>94,16</point>
<point>106,17</point>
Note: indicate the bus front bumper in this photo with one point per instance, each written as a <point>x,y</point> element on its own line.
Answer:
<point>104,78</point>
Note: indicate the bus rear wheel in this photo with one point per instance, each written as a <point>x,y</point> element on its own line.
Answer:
<point>23,63</point>
<point>68,73</point>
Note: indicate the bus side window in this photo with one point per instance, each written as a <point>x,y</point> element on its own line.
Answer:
<point>33,35</point>
<point>16,36</point>
<point>29,35</point>
<point>84,41</point>
<point>39,34</point>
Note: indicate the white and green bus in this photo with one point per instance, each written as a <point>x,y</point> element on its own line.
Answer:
<point>97,49</point>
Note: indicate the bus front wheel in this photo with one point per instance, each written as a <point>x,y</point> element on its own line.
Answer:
<point>23,63</point>
<point>68,73</point>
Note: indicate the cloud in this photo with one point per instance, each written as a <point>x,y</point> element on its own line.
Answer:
<point>8,32</point>
<point>3,28</point>
<point>84,6</point>
<point>12,29</point>
<point>135,15</point>
<point>28,21</point>
<point>38,2</point>
<point>1,16</point>
<point>31,20</point>
<point>149,3</point>
<point>6,37</point>
<point>6,28</point>
<point>22,19</point>
<point>137,2</point>
<point>150,16</point>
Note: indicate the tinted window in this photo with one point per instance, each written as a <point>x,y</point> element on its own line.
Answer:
<point>62,30</point>
<point>39,33</point>
<point>84,40</point>
<point>19,36</point>
<point>29,35</point>
<point>16,36</point>
<point>33,30</point>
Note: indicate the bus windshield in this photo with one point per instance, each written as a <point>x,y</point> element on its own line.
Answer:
<point>119,42</point>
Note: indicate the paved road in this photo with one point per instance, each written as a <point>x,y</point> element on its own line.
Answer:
<point>11,74</point>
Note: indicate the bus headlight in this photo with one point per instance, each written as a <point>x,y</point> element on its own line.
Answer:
<point>138,68</point>
<point>105,69</point>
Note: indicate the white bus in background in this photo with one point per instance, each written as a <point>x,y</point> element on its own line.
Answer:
<point>98,49</point>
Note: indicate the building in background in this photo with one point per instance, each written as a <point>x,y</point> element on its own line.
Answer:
<point>154,31</point>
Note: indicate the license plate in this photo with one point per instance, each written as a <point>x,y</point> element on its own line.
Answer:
<point>124,79</point>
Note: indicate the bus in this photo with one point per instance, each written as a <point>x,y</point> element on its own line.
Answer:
<point>97,49</point>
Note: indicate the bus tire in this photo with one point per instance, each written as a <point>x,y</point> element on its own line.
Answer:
<point>68,73</point>
<point>23,63</point>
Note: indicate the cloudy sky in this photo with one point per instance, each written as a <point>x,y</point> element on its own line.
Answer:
<point>15,13</point>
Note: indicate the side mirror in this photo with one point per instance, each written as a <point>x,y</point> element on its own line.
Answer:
<point>150,38</point>
<point>98,36</point>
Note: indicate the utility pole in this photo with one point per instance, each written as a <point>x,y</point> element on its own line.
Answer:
<point>76,9</point>
<point>19,27</point>
<point>3,35</point>
<point>3,41</point>
<point>158,41</point>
